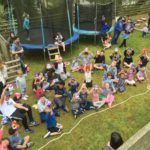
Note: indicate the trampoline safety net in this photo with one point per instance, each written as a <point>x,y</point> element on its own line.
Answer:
<point>90,14</point>
<point>54,19</point>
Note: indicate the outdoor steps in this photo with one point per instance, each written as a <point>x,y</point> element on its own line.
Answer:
<point>12,68</point>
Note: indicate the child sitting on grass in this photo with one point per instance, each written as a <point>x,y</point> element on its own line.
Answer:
<point>106,41</point>
<point>144,59</point>
<point>107,95</point>
<point>42,105</point>
<point>130,76</point>
<point>120,85</point>
<point>21,84</point>
<point>60,96</point>
<point>128,60</point>
<point>75,66</point>
<point>88,76</point>
<point>39,91</point>
<point>75,105</point>
<point>111,81</point>
<point>53,127</point>
<point>84,103</point>
<point>60,68</point>
<point>95,92</point>
<point>17,142</point>
<point>99,60</point>
<point>141,74</point>
<point>73,86</point>
<point>46,85</point>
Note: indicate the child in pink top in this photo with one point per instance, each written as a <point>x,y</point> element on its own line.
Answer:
<point>130,76</point>
<point>95,91</point>
<point>107,93</point>
<point>141,75</point>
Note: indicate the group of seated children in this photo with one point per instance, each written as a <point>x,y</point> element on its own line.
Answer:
<point>53,76</point>
<point>114,79</point>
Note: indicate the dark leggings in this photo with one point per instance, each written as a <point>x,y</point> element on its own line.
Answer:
<point>1,87</point>
<point>21,114</point>
<point>17,115</point>
<point>124,43</point>
<point>28,32</point>
<point>29,112</point>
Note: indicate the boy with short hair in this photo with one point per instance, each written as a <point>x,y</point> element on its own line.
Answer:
<point>17,142</point>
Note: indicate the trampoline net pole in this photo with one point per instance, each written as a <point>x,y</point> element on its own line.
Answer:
<point>42,32</point>
<point>78,19</point>
<point>69,23</point>
<point>12,17</point>
<point>95,22</point>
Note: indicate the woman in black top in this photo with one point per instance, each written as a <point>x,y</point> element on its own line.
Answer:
<point>99,60</point>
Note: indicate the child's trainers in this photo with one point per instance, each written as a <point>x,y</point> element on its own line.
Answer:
<point>24,98</point>
<point>92,107</point>
<point>75,116</point>
<point>29,144</point>
<point>47,135</point>
<point>29,130</point>
<point>33,123</point>
<point>66,109</point>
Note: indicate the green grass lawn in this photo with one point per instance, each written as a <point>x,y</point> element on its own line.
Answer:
<point>94,131</point>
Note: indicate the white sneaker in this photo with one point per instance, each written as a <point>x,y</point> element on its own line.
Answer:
<point>29,144</point>
<point>47,135</point>
<point>24,98</point>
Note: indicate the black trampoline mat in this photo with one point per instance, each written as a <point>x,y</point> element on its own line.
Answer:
<point>36,36</point>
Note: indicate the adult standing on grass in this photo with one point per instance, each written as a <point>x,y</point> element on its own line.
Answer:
<point>117,30</point>
<point>16,48</point>
<point>11,109</point>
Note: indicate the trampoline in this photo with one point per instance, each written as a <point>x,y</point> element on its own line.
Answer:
<point>47,17</point>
